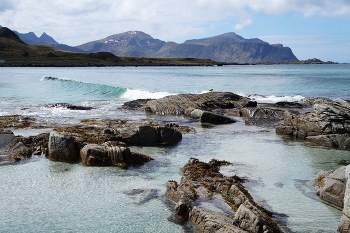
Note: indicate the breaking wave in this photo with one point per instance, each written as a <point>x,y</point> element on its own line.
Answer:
<point>86,88</point>
<point>273,98</point>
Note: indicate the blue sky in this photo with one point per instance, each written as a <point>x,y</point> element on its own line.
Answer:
<point>311,28</point>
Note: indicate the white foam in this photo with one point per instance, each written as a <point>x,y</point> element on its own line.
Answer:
<point>273,98</point>
<point>141,94</point>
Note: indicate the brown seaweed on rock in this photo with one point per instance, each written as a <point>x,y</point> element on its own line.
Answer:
<point>203,181</point>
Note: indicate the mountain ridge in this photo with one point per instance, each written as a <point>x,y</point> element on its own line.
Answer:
<point>228,47</point>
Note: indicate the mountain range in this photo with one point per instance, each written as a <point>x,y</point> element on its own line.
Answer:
<point>228,47</point>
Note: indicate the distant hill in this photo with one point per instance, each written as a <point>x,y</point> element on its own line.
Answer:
<point>132,43</point>
<point>228,47</point>
<point>32,39</point>
<point>8,34</point>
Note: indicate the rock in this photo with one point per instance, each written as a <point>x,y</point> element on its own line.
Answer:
<point>344,226</point>
<point>328,124</point>
<point>69,106</point>
<point>179,104</point>
<point>203,181</point>
<point>261,116</point>
<point>111,154</point>
<point>149,135</point>
<point>330,186</point>
<point>212,118</point>
<point>62,147</point>
<point>138,104</point>
<point>210,221</point>
<point>286,104</point>
<point>12,150</point>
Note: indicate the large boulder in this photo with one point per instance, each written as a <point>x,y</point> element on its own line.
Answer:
<point>62,147</point>
<point>149,135</point>
<point>330,185</point>
<point>111,154</point>
<point>11,149</point>
<point>203,181</point>
<point>328,124</point>
<point>344,226</point>
<point>262,116</point>
<point>177,104</point>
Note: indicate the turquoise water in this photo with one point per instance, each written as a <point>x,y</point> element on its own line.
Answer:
<point>43,196</point>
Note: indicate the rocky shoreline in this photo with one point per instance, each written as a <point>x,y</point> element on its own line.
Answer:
<point>105,142</point>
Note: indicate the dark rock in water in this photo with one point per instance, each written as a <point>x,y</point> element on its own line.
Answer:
<point>62,147</point>
<point>69,106</point>
<point>213,118</point>
<point>203,181</point>
<point>12,150</point>
<point>286,104</point>
<point>328,124</point>
<point>111,154</point>
<point>330,185</point>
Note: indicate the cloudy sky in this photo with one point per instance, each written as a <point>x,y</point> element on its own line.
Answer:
<point>311,28</point>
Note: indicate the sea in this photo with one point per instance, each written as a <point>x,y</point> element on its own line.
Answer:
<point>39,195</point>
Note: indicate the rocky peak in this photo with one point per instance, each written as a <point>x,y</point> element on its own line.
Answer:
<point>47,38</point>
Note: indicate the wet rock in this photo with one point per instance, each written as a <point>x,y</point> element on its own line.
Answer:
<point>111,154</point>
<point>62,147</point>
<point>203,181</point>
<point>212,118</point>
<point>328,124</point>
<point>69,106</point>
<point>149,135</point>
<point>177,104</point>
<point>11,149</point>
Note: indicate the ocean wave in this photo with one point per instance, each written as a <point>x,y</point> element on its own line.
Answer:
<point>273,98</point>
<point>87,88</point>
<point>142,94</point>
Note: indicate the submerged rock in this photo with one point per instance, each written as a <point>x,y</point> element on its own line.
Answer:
<point>203,181</point>
<point>11,149</point>
<point>142,196</point>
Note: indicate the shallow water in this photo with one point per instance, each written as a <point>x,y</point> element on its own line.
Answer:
<point>43,196</point>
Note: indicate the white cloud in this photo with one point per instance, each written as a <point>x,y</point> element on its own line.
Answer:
<point>79,21</point>
<point>243,23</point>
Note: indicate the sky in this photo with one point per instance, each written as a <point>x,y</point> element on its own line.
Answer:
<point>311,28</point>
